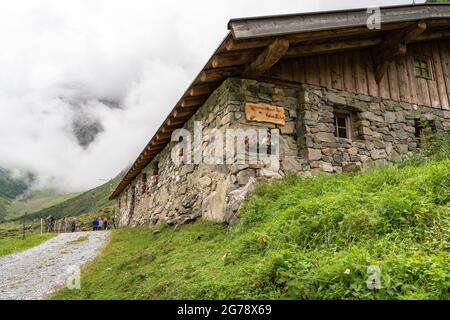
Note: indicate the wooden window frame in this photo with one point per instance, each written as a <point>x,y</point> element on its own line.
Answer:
<point>429,65</point>
<point>348,124</point>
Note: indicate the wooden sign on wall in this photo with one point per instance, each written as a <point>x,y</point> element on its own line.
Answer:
<point>263,112</point>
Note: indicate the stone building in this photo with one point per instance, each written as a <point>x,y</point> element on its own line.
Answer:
<point>342,94</point>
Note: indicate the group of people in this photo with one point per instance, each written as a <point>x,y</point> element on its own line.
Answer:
<point>65,222</point>
<point>71,225</point>
<point>100,224</point>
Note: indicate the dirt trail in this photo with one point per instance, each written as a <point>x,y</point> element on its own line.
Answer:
<point>35,273</point>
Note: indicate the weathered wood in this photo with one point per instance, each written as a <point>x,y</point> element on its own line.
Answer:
<point>372,84</point>
<point>445,61</point>
<point>233,59</point>
<point>349,73</point>
<point>403,81</point>
<point>336,72</point>
<point>184,112</point>
<point>201,89</point>
<point>432,85</point>
<point>394,46</point>
<point>309,37</point>
<point>331,47</point>
<point>440,80</point>
<point>193,101</point>
<point>263,112</point>
<point>360,72</point>
<point>302,23</point>
<point>324,67</point>
<point>394,90</point>
<point>267,59</point>
<point>175,121</point>
<point>312,70</point>
<point>214,75</point>
<point>412,79</point>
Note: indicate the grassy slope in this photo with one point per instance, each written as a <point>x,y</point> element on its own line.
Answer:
<point>13,245</point>
<point>37,202</point>
<point>83,203</point>
<point>5,205</point>
<point>9,189</point>
<point>299,239</point>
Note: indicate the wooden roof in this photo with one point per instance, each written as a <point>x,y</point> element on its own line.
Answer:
<point>254,45</point>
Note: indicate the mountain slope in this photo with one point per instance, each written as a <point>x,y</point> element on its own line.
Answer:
<point>10,188</point>
<point>5,205</point>
<point>86,202</point>
<point>37,201</point>
<point>318,238</point>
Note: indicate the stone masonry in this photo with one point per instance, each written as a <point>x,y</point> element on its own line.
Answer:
<point>382,132</point>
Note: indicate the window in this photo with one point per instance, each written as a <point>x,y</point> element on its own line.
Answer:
<point>144,182</point>
<point>342,125</point>
<point>422,68</point>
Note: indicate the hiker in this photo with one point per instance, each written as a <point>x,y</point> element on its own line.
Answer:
<point>73,226</point>
<point>50,223</point>
<point>95,224</point>
<point>100,224</point>
<point>105,224</point>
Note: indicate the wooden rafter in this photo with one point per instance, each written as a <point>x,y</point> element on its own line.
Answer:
<point>267,58</point>
<point>233,59</point>
<point>193,101</point>
<point>213,75</point>
<point>331,47</point>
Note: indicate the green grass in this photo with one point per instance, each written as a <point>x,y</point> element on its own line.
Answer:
<point>5,206</point>
<point>296,239</point>
<point>79,240</point>
<point>16,244</point>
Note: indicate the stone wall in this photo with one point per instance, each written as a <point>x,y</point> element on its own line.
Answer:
<point>383,131</point>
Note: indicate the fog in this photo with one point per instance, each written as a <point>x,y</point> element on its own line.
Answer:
<point>85,84</point>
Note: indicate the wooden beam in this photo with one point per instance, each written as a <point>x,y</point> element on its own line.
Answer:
<point>308,37</point>
<point>158,142</point>
<point>331,47</point>
<point>171,128</point>
<point>163,136</point>
<point>202,89</point>
<point>214,75</point>
<point>267,58</point>
<point>176,121</point>
<point>394,46</point>
<point>193,101</point>
<point>301,23</point>
<point>185,113</point>
<point>233,59</point>
<point>433,35</point>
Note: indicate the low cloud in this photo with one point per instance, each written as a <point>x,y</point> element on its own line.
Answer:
<point>85,84</point>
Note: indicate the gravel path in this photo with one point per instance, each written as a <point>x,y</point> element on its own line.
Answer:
<point>37,272</point>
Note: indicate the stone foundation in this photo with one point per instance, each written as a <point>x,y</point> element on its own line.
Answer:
<point>383,131</point>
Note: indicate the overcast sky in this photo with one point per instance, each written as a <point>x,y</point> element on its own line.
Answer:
<point>84,84</point>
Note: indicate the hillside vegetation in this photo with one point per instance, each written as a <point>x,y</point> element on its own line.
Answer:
<point>297,239</point>
<point>37,201</point>
<point>89,201</point>
<point>9,189</point>
<point>14,245</point>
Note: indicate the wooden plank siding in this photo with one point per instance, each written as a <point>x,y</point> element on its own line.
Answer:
<point>353,71</point>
